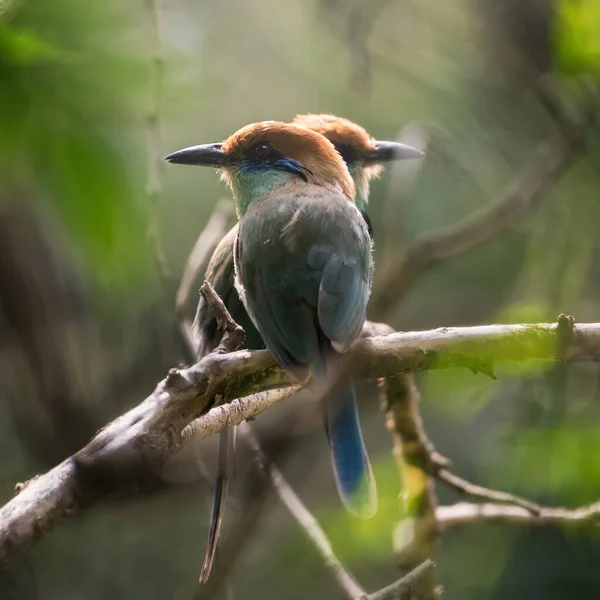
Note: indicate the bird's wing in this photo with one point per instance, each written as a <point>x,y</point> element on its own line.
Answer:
<point>283,317</point>
<point>343,296</point>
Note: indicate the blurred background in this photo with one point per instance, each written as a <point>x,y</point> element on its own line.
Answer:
<point>91,99</point>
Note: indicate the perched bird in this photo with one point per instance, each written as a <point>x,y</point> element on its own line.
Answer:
<point>303,268</point>
<point>362,155</point>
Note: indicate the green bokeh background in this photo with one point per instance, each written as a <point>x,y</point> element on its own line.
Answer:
<point>75,94</point>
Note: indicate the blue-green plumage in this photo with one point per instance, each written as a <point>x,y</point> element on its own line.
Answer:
<point>304,266</point>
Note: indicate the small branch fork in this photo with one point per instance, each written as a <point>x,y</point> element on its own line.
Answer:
<point>233,334</point>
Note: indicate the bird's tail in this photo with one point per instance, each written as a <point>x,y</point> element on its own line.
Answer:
<point>226,444</point>
<point>351,466</point>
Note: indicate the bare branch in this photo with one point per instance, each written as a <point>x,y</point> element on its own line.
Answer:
<point>233,334</point>
<point>407,587</point>
<point>309,524</point>
<point>477,491</point>
<point>41,503</point>
<point>233,413</point>
<point>138,443</point>
<point>466,513</point>
<point>207,241</point>
<point>522,195</point>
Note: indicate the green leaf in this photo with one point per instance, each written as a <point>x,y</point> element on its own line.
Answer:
<point>577,37</point>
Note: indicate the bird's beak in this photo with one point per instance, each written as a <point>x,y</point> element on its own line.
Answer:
<point>206,155</point>
<point>387,151</point>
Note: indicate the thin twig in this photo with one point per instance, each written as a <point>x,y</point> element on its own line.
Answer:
<point>477,491</point>
<point>466,513</point>
<point>308,524</point>
<point>258,488</point>
<point>233,334</point>
<point>154,137</point>
<point>406,588</point>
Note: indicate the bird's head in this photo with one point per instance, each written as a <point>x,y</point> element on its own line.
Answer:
<point>362,153</point>
<point>263,157</point>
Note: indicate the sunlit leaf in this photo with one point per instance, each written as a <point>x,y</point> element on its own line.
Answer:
<point>577,36</point>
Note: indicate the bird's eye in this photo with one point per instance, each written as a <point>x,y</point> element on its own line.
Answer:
<point>262,150</point>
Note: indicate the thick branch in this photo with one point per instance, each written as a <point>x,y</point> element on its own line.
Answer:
<point>138,443</point>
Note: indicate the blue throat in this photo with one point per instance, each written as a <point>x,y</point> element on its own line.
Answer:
<point>255,180</point>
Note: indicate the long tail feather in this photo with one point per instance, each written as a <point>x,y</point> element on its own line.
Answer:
<point>226,440</point>
<point>351,466</point>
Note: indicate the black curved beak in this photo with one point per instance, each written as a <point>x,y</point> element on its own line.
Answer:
<point>387,151</point>
<point>206,155</point>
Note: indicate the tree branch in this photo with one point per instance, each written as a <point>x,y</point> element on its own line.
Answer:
<point>308,524</point>
<point>233,413</point>
<point>407,587</point>
<point>233,334</point>
<point>138,443</point>
<point>466,513</point>
<point>477,491</point>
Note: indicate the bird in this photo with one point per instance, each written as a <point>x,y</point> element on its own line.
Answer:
<point>363,156</point>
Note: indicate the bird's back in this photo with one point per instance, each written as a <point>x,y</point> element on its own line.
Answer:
<point>304,258</point>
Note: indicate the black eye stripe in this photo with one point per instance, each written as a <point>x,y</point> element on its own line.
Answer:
<point>348,153</point>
